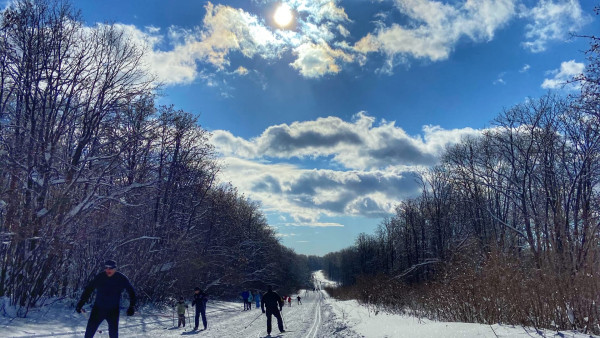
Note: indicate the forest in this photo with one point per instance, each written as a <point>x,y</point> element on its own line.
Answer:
<point>92,169</point>
<point>506,229</point>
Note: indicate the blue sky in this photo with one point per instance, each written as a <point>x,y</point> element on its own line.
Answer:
<point>326,121</point>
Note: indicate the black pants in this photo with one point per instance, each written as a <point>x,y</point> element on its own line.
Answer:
<point>181,320</point>
<point>198,313</point>
<point>97,316</point>
<point>279,320</point>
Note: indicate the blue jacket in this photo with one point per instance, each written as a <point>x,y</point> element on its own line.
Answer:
<point>109,291</point>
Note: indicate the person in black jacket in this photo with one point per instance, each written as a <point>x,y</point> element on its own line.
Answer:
<point>200,299</point>
<point>109,286</point>
<point>273,302</point>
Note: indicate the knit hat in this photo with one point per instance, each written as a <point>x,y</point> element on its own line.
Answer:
<point>196,289</point>
<point>110,264</point>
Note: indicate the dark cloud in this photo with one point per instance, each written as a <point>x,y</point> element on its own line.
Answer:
<point>400,151</point>
<point>267,184</point>
<point>281,140</point>
<point>350,190</point>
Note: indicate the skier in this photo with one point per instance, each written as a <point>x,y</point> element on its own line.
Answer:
<point>245,298</point>
<point>273,302</point>
<point>257,298</point>
<point>181,306</point>
<point>109,286</point>
<point>250,299</point>
<point>200,299</point>
<point>289,301</point>
<point>299,301</point>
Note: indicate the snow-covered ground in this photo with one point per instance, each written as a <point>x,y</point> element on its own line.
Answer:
<point>317,316</point>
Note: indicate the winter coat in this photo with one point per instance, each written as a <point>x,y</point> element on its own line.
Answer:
<point>199,301</point>
<point>181,306</point>
<point>250,297</point>
<point>272,301</point>
<point>109,291</point>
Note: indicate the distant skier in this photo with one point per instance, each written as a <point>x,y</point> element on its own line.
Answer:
<point>200,299</point>
<point>181,307</point>
<point>109,285</point>
<point>245,298</point>
<point>250,299</point>
<point>289,301</point>
<point>257,299</point>
<point>299,301</point>
<point>273,303</point>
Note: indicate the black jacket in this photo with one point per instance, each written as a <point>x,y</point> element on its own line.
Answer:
<point>108,291</point>
<point>272,301</point>
<point>200,300</point>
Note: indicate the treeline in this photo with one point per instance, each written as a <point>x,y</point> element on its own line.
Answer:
<point>91,168</point>
<point>506,228</point>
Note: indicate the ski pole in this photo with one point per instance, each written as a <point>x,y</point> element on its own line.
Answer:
<point>282,321</point>
<point>188,313</point>
<point>173,315</point>
<point>260,314</point>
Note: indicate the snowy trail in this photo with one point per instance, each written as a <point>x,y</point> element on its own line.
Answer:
<point>318,317</point>
<point>224,320</point>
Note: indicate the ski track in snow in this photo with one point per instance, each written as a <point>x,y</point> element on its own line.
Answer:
<point>304,320</point>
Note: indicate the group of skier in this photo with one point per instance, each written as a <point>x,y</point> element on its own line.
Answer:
<point>248,297</point>
<point>110,284</point>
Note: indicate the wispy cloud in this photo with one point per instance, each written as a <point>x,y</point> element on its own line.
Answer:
<point>434,28</point>
<point>500,79</point>
<point>552,20</point>
<point>322,42</point>
<point>563,75</point>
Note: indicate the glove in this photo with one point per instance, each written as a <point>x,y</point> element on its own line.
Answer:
<point>130,311</point>
<point>79,309</point>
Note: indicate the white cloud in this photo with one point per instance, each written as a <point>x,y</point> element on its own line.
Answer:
<point>316,60</point>
<point>374,165</point>
<point>224,30</point>
<point>435,28</point>
<point>525,68</point>
<point>241,71</point>
<point>500,79</point>
<point>359,144</point>
<point>314,225</point>
<point>567,71</point>
<point>552,20</point>
<point>321,40</point>
<point>307,195</point>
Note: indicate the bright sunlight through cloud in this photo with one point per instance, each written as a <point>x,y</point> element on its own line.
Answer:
<point>283,15</point>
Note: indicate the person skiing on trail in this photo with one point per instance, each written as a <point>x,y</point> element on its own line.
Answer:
<point>200,299</point>
<point>181,307</point>
<point>273,304</point>
<point>250,299</point>
<point>289,301</point>
<point>299,301</point>
<point>245,298</point>
<point>108,285</point>
<point>257,298</point>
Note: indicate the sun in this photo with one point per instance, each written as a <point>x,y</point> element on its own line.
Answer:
<point>283,15</point>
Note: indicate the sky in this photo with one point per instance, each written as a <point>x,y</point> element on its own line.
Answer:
<point>327,119</point>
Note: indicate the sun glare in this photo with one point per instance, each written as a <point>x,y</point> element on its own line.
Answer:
<point>283,15</point>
